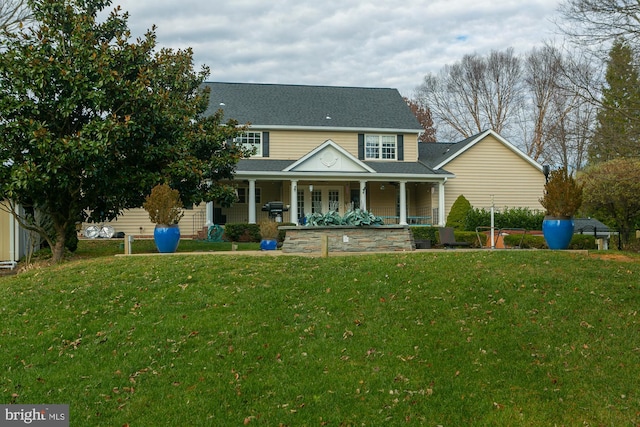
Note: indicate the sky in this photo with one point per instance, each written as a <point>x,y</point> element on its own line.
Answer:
<point>364,43</point>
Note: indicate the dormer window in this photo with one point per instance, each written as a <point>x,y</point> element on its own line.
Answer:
<point>380,147</point>
<point>251,140</point>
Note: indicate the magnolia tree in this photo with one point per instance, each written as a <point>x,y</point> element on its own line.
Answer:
<point>91,121</point>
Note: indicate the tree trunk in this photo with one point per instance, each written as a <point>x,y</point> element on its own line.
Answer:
<point>57,250</point>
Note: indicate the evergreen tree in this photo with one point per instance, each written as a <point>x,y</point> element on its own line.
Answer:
<point>618,129</point>
<point>458,215</point>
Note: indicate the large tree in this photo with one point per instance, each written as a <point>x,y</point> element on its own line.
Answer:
<point>555,118</point>
<point>618,132</point>
<point>595,26</point>
<point>611,193</point>
<point>91,120</point>
<point>593,23</point>
<point>529,99</point>
<point>473,95</point>
<point>423,114</point>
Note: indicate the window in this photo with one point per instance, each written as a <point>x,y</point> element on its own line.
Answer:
<point>251,140</point>
<point>243,195</point>
<point>380,147</point>
<point>301,212</point>
<point>334,200</point>
<point>316,201</point>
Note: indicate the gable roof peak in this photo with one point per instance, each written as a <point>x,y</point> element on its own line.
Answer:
<point>438,155</point>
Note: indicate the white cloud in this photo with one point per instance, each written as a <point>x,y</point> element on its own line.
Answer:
<point>349,42</point>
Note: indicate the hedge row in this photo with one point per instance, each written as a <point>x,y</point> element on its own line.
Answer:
<point>530,241</point>
<point>507,218</point>
<point>243,232</point>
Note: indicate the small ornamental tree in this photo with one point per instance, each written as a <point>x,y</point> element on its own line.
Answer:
<point>562,195</point>
<point>91,120</point>
<point>457,217</point>
<point>164,205</point>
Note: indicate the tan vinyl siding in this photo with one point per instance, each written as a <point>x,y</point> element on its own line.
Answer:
<point>5,233</point>
<point>136,222</point>
<point>490,168</point>
<point>410,147</point>
<point>292,145</point>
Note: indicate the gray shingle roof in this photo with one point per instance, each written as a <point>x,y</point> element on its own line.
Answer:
<point>273,165</point>
<point>275,105</point>
<point>432,154</point>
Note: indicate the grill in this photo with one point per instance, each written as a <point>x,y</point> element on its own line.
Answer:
<point>275,210</point>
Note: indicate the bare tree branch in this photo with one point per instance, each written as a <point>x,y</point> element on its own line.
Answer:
<point>474,94</point>
<point>593,24</point>
<point>12,13</point>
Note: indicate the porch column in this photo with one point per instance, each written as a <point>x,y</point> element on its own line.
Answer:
<point>252,201</point>
<point>293,209</point>
<point>441,217</point>
<point>208,214</point>
<point>403,203</point>
<point>363,195</point>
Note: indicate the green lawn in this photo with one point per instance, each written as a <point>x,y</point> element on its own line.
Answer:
<point>451,338</point>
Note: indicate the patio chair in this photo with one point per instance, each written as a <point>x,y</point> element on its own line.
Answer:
<point>448,239</point>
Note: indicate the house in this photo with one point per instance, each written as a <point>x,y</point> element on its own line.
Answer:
<point>13,238</point>
<point>322,148</point>
<point>488,170</point>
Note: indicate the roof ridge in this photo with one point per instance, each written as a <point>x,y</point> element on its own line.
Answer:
<point>304,85</point>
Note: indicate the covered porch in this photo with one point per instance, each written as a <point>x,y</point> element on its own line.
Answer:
<point>397,202</point>
<point>331,179</point>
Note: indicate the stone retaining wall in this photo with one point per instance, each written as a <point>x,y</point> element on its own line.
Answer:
<point>386,238</point>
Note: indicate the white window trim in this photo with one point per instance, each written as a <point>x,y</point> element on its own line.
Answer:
<point>380,147</point>
<point>251,135</point>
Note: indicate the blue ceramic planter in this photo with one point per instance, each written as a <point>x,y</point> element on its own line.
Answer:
<point>557,232</point>
<point>268,244</point>
<point>167,238</point>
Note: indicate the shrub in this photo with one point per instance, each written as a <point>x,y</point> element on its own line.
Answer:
<point>465,236</point>
<point>424,233</point>
<point>242,232</point>
<point>521,218</point>
<point>507,218</point>
<point>582,241</point>
<point>458,214</point>
<point>562,194</point>
<point>268,229</point>
<point>164,205</point>
<point>530,241</point>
